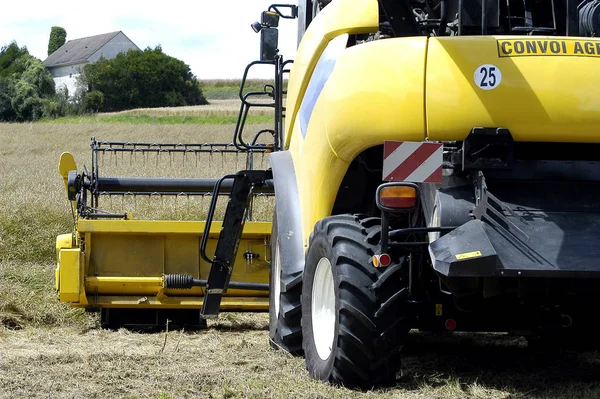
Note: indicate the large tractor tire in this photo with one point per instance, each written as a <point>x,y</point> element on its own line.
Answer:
<point>285,288</point>
<point>354,315</point>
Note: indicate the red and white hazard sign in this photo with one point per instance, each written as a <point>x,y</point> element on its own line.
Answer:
<point>412,161</point>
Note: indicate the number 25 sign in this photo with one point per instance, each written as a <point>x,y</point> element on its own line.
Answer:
<point>487,77</point>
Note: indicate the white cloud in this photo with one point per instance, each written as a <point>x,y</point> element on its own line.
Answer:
<point>213,37</point>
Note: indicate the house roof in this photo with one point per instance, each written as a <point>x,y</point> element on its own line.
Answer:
<point>78,50</point>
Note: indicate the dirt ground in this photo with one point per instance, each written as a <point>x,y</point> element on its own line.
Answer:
<point>233,359</point>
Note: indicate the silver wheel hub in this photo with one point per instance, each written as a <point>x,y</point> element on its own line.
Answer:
<point>323,308</point>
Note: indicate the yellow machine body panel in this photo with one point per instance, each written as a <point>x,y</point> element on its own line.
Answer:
<point>353,114</point>
<point>69,274</point>
<point>542,88</point>
<point>340,17</point>
<point>122,263</point>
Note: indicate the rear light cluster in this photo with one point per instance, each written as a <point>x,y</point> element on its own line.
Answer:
<point>381,260</point>
<point>397,197</point>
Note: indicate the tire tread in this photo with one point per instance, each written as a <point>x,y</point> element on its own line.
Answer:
<point>372,314</point>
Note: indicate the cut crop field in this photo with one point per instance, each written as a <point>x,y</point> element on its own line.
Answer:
<point>48,350</point>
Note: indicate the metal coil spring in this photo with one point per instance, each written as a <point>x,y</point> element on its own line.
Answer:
<point>178,281</point>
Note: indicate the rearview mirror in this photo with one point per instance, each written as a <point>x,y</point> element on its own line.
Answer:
<point>269,38</point>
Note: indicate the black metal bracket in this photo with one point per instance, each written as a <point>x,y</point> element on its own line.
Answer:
<point>229,237</point>
<point>488,148</point>
<point>292,8</point>
<point>491,210</point>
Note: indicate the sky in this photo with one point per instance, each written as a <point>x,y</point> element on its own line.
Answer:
<point>213,37</point>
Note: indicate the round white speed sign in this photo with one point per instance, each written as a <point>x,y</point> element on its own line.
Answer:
<point>487,77</point>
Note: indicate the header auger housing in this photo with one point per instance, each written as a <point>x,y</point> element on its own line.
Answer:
<point>438,170</point>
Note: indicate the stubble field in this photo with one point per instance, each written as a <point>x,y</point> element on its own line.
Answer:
<point>50,350</point>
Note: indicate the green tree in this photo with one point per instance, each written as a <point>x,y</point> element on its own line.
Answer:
<point>10,56</point>
<point>12,66</point>
<point>28,105</point>
<point>7,112</point>
<point>140,79</point>
<point>93,101</point>
<point>58,36</point>
<point>60,104</point>
<point>36,74</point>
<point>31,92</point>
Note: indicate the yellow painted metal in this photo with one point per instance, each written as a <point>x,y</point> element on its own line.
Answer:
<point>63,241</point>
<point>339,17</point>
<point>540,98</point>
<point>356,110</point>
<point>69,276</point>
<point>359,109</point>
<point>65,165</point>
<point>122,258</point>
<point>251,229</point>
<point>124,285</point>
<point>176,302</point>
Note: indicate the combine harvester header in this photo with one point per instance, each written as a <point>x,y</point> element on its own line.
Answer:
<point>140,273</point>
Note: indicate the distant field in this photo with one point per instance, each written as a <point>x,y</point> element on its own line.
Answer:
<point>50,350</point>
<point>220,89</point>
<point>218,112</point>
<point>223,108</point>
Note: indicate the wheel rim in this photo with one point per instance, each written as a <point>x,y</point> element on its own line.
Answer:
<point>323,309</point>
<point>276,277</point>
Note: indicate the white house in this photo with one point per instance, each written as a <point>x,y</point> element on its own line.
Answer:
<point>67,62</point>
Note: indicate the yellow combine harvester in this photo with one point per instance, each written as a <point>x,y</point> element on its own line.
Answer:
<point>439,170</point>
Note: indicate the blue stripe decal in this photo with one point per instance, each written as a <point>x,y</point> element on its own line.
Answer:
<point>319,77</point>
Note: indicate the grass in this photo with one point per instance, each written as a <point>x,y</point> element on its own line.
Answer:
<point>232,359</point>
<point>217,89</point>
<point>158,119</point>
<point>49,349</point>
<point>218,112</point>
